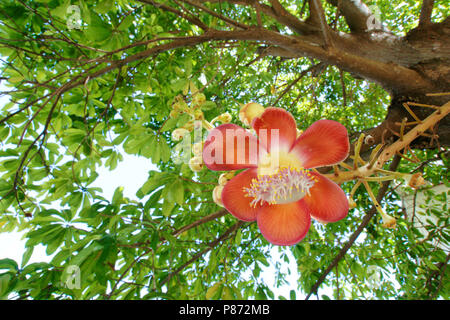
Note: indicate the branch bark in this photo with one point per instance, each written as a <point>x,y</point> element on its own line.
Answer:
<point>318,16</point>
<point>425,13</point>
<point>356,14</point>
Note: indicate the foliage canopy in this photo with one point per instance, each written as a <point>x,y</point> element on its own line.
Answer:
<point>85,81</point>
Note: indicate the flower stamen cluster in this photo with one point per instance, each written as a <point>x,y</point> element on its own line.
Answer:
<point>285,186</point>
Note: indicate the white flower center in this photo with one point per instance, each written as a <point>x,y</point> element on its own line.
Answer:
<point>286,186</point>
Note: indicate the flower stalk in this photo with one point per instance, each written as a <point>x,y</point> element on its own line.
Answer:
<point>388,221</point>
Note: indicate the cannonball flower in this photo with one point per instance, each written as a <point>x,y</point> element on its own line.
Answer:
<point>276,187</point>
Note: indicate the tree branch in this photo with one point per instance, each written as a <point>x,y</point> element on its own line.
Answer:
<point>425,13</point>
<point>392,149</point>
<point>191,19</point>
<point>203,220</point>
<point>317,14</point>
<point>356,14</point>
<point>217,15</point>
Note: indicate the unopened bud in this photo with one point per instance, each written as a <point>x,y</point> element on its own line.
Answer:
<point>369,140</point>
<point>225,117</point>
<point>198,114</point>
<point>249,112</point>
<point>223,179</point>
<point>173,114</point>
<point>196,164</point>
<point>351,203</point>
<point>179,133</point>
<point>217,195</point>
<point>199,99</point>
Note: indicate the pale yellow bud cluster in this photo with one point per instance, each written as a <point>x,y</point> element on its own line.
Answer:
<point>217,192</point>
<point>198,100</point>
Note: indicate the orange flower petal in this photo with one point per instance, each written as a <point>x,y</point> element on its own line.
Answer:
<point>284,224</point>
<point>276,119</point>
<point>234,199</point>
<point>327,202</point>
<point>230,147</point>
<point>324,143</point>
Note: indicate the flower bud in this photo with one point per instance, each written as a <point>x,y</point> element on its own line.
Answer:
<point>179,133</point>
<point>351,203</point>
<point>173,114</point>
<point>199,99</point>
<point>249,112</point>
<point>198,114</point>
<point>217,195</point>
<point>225,117</point>
<point>223,179</point>
<point>196,164</point>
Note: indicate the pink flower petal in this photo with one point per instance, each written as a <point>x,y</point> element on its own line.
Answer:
<point>230,147</point>
<point>234,199</point>
<point>324,143</point>
<point>276,119</point>
<point>327,202</point>
<point>284,224</point>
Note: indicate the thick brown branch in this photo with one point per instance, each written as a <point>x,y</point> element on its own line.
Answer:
<point>283,16</point>
<point>425,13</point>
<point>318,16</point>
<point>357,15</point>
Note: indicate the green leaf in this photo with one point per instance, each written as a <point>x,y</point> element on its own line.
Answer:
<point>292,295</point>
<point>27,255</point>
<point>98,30</point>
<point>9,264</point>
<point>176,192</point>
<point>104,6</point>
<point>215,291</point>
